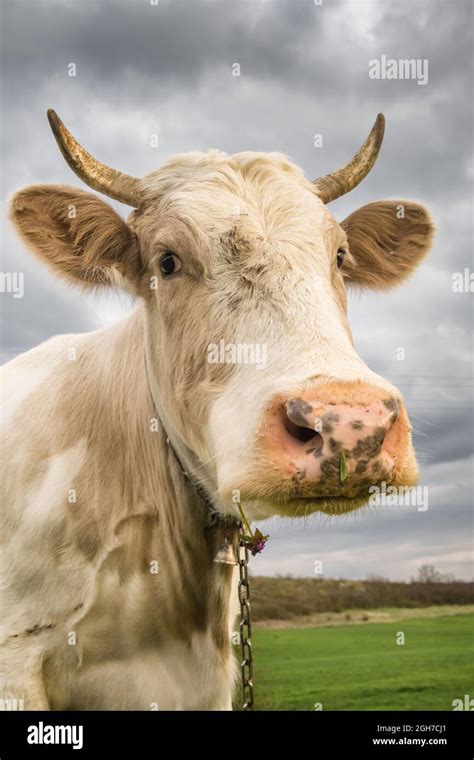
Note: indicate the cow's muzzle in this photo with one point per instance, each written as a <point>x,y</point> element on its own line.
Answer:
<point>337,439</point>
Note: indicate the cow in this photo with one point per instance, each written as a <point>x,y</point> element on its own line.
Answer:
<point>110,595</point>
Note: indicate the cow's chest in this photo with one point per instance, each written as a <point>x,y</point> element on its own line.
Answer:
<point>121,654</point>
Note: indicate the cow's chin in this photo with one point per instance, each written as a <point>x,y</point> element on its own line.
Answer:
<point>330,505</point>
<point>299,506</point>
<point>285,503</point>
<point>261,509</point>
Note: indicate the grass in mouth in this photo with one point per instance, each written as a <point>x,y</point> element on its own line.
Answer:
<point>342,466</point>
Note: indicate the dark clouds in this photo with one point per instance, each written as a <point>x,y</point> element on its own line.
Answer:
<point>166,69</point>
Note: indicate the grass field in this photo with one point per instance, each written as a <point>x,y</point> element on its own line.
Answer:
<point>361,667</point>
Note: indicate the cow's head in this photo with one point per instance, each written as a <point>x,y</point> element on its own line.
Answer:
<point>242,272</point>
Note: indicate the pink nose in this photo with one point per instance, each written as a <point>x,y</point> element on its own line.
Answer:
<point>335,440</point>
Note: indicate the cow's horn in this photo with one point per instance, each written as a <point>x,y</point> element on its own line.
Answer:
<point>109,181</point>
<point>334,185</point>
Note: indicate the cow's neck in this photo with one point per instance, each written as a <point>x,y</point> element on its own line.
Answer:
<point>144,499</point>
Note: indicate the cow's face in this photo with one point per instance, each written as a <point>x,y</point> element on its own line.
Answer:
<point>243,271</point>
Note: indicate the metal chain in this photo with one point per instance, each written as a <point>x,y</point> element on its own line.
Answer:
<point>246,665</point>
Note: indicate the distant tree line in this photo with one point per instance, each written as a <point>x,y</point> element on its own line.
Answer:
<point>285,597</point>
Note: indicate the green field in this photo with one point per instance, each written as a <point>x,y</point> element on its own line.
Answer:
<point>361,667</point>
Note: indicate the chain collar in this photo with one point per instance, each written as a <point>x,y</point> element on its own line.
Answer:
<point>245,626</point>
<point>215,518</point>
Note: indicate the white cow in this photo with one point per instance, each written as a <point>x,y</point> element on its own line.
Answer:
<point>109,594</point>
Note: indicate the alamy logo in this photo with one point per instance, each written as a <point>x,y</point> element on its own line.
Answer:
<point>12,705</point>
<point>237,353</point>
<point>463,282</point>
<point>401,68</point>
<point>41,734</point>
<point>399,496</point>
<point>12,282</point>
<point>463,704</point>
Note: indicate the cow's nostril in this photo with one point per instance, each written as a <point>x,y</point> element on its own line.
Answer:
<point>303,434</point>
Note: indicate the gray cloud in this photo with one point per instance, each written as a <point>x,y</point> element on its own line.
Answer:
<point>304,70</point>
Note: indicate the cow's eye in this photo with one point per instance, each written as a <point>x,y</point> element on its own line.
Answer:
<point>340,257</point>
<point>169,264</point>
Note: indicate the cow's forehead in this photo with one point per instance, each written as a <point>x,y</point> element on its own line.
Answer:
<point>220,168</point>
<point>264,194</point>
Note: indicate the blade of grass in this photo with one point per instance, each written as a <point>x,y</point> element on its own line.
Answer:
<point>342,466</point>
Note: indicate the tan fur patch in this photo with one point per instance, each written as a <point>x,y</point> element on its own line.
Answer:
<point>78,235</point>
<point>387,239</point>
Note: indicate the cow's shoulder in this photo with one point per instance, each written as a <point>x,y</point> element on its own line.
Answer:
<point>42,368</point>
<point>36,475</point>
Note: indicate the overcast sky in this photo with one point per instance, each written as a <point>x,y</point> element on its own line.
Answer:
<point>166,69</point>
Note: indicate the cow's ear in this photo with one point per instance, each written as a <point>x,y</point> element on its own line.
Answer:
<point>78,235</point>
<point>387,240</point>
